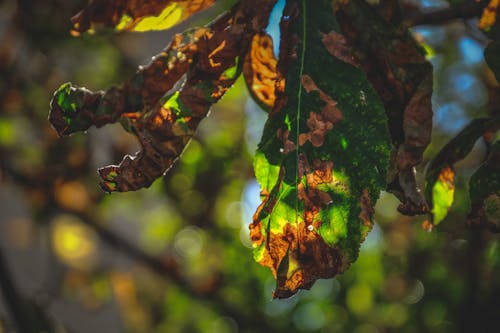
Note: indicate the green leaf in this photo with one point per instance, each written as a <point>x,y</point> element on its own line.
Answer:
<point>440,177</point>
<point>323,157</point>
<point>484,191</point>
<point>492,57</point>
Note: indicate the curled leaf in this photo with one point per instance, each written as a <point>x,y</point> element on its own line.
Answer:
<point>75,109</point>
<point>259,70</point>
<point>136,15</point>
<point>322,160</point>
<point>164,123</point>
<point>484,192</point>
<point>492,57</point>
<point>440,176</point>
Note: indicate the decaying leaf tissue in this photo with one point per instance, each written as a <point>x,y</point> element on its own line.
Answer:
<point>349,115</point>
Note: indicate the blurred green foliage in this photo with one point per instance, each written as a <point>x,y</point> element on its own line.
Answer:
<point>177,257</point>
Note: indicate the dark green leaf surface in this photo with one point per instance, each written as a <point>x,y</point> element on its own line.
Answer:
<point>484,191</point>
<point>492,57</point>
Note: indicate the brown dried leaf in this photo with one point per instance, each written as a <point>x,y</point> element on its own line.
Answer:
<point>259,70</point>
<point>164,124</point>
<point>136,15</point>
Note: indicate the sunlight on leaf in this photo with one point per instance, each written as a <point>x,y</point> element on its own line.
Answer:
<point>140,16</point>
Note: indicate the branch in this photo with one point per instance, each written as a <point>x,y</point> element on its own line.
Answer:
<point>13,300</point>
<point>168,269</point>
<point>416,16</point>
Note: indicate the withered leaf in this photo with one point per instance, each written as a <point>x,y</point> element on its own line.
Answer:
<point>484,192</point>
<point>259,70</point>
<point>402,77</point>
<point>489,15</point>
<point>163,124</point>
<point>440,176</point>
<point>136,15</point>
<point>322,160</point>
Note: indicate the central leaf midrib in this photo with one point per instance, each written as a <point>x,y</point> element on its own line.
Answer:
<point>297,121</point>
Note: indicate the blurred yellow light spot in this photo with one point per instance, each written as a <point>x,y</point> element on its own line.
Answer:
<point>73,242</point>
<point>7,134</point>
<point>360,299</point>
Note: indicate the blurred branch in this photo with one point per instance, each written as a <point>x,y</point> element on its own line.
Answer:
<point>13,300</point>
<point>168,268</point>
<point>415,16</point>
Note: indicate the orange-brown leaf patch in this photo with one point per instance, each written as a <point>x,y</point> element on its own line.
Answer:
<point>259,70</point>
<point>298,256</point>
<point>489,16</point>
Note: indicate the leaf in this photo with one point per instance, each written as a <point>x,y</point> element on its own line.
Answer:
<point>492,57</point>
<point>259,70</point>
<point>489,15</point>
<point>75,109</point>
<point>398,71</point>
<point>323,157</point>
<point>164,123</point>
<point>440,176</point>
<point>484,191</point>
<point>136,15</point>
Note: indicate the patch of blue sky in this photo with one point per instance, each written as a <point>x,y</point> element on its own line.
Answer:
<point>468,89</point>
<point>471,51</point>
<point>450,118</point>
<point>373,241</point>
<point>434,4</point>
<point>432,35</point>
<point>273,28</point>
<point>251,199</point>
<point>458,83</point>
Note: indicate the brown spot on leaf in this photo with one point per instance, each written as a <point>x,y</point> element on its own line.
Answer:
<point>288,145</point>
<point>319,122</point>
<point>366,208</point>
<point>337,46</point>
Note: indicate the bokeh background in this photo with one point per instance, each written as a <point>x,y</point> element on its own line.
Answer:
<point>177,257</point>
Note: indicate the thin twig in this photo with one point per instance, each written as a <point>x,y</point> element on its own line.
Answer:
<point>168,269</point>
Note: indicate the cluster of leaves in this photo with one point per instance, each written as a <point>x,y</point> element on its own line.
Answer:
<point>350,114</point>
